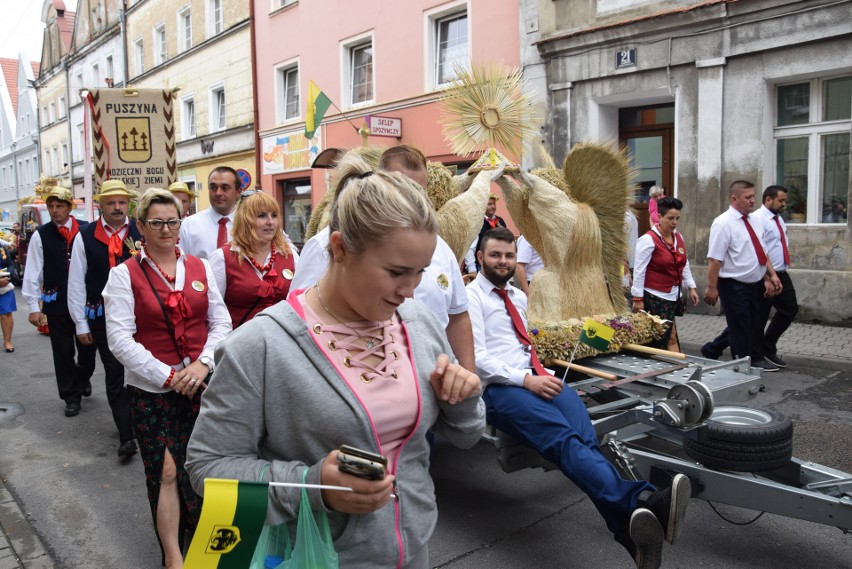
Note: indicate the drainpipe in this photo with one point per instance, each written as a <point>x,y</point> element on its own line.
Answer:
<point>67,71</point>
<point>15,167</point>
<point>255,112</point>
<point>122,18</point>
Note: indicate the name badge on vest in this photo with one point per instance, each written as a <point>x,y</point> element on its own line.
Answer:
<point>288,274</point>
<point>198,285</point>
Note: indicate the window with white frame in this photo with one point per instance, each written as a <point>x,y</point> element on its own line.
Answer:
<point>187,116</point>
<point>96,76</point>
<point>449,47</point>
<point>288,87</point>
<point>184,25</point>
<point>51,115</point>
<point>44,116</point>
<point>64,161</point>
<point>110,68</point>
<point>217,108</point>
<point>55,155</point>
<point>360,72</point>
<point>47,162</point>
<point>215,19</point>
<point>61,109</point>
<point>79,85</point>
<point>281,3</point>
<point>139,56</point>
<point>79,148</point>
<point>25,173</point>
<point>813,121</point>
<point>161,53</point>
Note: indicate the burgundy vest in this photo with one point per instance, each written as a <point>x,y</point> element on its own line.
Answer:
<point>665,268</point>
<point>246,293</point>
<point>187,309</point>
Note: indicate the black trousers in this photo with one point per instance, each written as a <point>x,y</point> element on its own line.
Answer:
<point>765,340</point>
<point>117,394</point>
<point>71,377</point>
<point>741,302</point>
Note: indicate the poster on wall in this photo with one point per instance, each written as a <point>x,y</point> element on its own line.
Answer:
<point>290,151</point>
<point>133,137</point>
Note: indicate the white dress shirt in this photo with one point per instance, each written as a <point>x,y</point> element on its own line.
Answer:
<point>77,269</point>
<point>644,251</point>
<point>631,230</point>
<point>441,288</point>
<point>530,257</point>
<point>731,245</point>
<point>199,233</point>
<point>34,273</point>
<point>470,258</point>
<point>217,265</point>
<point>772,238</point>
<point>141,368</point>
<point>500,356</point>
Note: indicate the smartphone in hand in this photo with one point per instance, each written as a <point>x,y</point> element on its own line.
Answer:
<point>361,463</point>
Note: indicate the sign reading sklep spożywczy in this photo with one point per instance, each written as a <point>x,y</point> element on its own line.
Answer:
<point>386,126</point>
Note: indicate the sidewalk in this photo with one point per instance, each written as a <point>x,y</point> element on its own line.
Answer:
<point>20,547</point>
<point>802,345</point>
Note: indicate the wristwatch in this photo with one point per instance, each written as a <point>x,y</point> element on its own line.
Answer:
<point>208,361</point>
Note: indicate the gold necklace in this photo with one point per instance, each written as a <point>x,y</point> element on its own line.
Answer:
<point>370,342</point>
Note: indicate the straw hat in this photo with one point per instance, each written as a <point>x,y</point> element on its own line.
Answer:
<point>114,188</point>
<point>181,188</point>
<point>60,193</point>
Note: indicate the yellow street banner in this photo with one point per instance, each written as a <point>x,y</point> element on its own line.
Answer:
<point>134,137</point>
<point>231,521</point>
<point>596,335</point>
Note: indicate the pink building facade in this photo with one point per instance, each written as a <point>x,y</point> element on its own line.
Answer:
<point>382,63</point>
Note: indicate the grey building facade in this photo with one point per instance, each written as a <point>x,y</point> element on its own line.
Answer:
<point>706,93</point>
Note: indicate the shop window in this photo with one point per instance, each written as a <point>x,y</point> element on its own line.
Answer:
<point>297,209</point>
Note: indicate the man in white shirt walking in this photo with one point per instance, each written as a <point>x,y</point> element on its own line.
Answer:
<point>98,248</point>
<point>207,230</point>
<point>765,340</point>
<point>736,265</point>
<point>529,263</point>
<point>526,401</point>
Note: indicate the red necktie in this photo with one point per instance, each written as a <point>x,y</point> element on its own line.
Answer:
<point>783,241</point>
<point>520,330</point>
<point>761,254</point>
<point>492,222</point>
<point>222,238</point>
<point>65,233</point>
<point>115,247</point>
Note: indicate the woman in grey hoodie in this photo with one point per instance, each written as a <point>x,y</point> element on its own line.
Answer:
<point>352,360</point>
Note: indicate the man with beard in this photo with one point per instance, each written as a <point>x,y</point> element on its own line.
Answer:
<point>208,230</point>
<point>764,343</point>
<point>526,401</point>
<point>98,248</point>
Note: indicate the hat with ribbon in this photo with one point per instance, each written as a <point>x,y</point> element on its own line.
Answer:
<point>114,188</point>
<point>181,188</point>
<point>60,193</point>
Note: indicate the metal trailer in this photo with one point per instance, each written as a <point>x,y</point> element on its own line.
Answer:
<point>644,432</point>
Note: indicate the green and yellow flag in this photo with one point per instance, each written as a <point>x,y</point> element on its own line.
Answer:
<point>318,104</point>
<point>231,521</point>
<point>596,335</point>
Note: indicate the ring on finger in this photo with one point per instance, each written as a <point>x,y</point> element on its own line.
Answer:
<point>192,381</point>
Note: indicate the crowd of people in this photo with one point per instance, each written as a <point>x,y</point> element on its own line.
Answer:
<point>220,343</point>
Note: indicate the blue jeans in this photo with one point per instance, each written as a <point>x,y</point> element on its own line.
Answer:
<point>560,431</point>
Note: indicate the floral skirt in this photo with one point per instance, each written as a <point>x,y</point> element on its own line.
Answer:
<point>165,421</point>
<point>665,309</point>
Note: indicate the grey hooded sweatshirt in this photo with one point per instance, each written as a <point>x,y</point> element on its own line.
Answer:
<point>275,400</point>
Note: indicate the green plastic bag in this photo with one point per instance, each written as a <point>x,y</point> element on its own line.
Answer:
<point>314,548</point>
<point>273,547</point>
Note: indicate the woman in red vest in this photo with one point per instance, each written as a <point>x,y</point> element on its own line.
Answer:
<point>255,269</point>
<point>164,318</point>
<point>661,270</point>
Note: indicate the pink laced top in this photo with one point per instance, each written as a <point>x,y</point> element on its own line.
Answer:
<point>388,389</point>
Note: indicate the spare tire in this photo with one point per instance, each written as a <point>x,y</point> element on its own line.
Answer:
<point>743,439</point>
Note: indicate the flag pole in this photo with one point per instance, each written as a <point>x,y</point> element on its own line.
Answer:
<point>358,130</point>
<point>571,359</point>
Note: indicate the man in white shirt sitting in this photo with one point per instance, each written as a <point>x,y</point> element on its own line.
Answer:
<point>208,230</point>
<point>525,401</point>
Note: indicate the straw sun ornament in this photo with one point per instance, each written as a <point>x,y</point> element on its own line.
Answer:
<point>487,107</point>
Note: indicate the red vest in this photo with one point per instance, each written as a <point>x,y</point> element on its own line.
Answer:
<point>187,309</point>
<point>665,269</point>
<point>246,293</point>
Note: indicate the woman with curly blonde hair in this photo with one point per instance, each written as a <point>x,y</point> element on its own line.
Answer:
<point>255,269</point>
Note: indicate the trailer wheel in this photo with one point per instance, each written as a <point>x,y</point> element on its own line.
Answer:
<point>742,439</point>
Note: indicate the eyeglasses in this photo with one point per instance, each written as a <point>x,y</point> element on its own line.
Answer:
<point>157,224</point>
<point>249,193</point>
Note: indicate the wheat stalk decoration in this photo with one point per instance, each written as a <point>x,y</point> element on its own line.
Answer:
<point>487,107</point>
